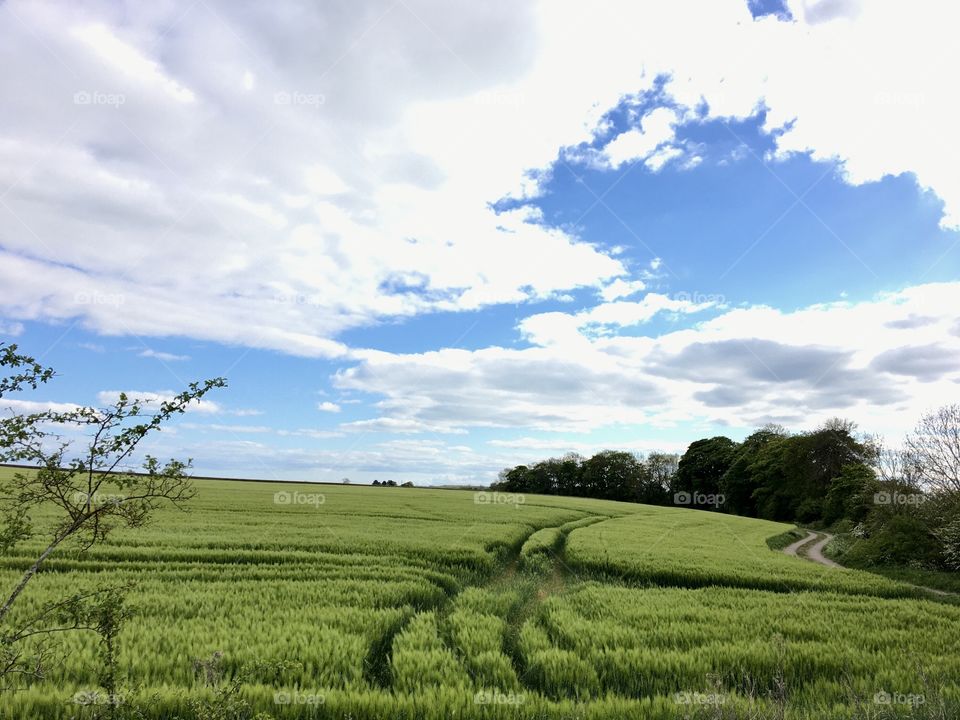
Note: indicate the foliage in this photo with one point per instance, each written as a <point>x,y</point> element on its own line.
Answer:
<point>70,490</point>
<point>611,475</point>
<point>902,539</point>
<point>949,535</point>
<point>702,466</point>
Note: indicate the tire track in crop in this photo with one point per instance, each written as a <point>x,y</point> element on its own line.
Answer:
<point>378,663</point>
<point>534,587</point>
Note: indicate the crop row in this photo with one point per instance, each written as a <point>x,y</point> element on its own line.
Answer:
<point>822,647</point>
<point>685,548</point>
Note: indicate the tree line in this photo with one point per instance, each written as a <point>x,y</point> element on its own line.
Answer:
<point>902,506</point>
<point>609,475</point>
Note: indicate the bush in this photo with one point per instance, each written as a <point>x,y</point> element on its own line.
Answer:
<point>949,535</point>
<point>843,526</point>
<point>901,540</point>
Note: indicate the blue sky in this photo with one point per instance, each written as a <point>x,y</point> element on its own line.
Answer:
<point>478,257</point>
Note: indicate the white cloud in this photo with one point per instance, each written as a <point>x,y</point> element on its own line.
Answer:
<point>203,207</point>
<point>563,445</point>
<point>880,362</point>
<point>163,356</point>
<point>624,313</point>
<point>638,143</point>
<point>327,406</point>
<point>661,157</point>
<point>621,288</point>
<point>21,407</point>
<point>556,328</point>
<point>243,195</point>
<point>151,400</point>
<point>129,61</point>
<point>231,428</point>
<point>12,329</point>
<point>245,412</point>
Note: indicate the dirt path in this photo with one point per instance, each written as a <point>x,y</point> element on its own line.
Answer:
<point>803,548</point>
<point>794,547</point>
<point>815,553</point>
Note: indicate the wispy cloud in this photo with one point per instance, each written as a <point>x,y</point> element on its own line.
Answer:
<point>164,356</point>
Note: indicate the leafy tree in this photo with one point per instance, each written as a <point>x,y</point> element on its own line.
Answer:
<point>513,479</point>
<point>661,469</point>
<point>739,483</point>
<point>701,468</point>
<point>791,475</point>
<point>87,494</point>
<point>850,495</point>
<point>567,474</point>
<point>612,474</point>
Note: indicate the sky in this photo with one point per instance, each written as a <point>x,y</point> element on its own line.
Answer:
<point>427,241</point>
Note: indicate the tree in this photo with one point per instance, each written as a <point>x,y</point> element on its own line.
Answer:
<point>740,482</point>
<point>935,447</point>
<point>895,466</point>
<point>661,469</point>
<point>75,486</point>
<point>792,475</point>
<point>850,495</point>
<point>612,474</point>
<point>702,466</point>
<point>513,479</point>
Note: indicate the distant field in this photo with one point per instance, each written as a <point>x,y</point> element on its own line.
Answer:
<point>414,603</point>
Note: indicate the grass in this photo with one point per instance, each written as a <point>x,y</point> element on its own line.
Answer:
<point>937,579</point>
<point>427,604</point>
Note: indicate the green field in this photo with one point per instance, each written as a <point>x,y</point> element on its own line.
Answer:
<point>415,603</point>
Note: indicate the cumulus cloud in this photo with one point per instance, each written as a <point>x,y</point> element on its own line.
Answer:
<point>621,288</point>
<point>555,327</point>
<point>195,176</point>
<point>741,368</point>
<point>327,406</point>
<point>656,129</point>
